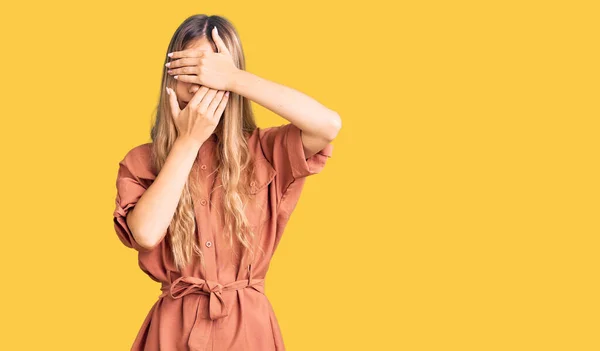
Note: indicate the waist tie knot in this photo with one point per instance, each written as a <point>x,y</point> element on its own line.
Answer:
<point>186,285</point>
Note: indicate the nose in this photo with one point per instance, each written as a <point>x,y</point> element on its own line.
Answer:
<point>194,88</point>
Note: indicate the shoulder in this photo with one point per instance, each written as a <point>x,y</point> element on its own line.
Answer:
<point>263,141</point>
<point>254,142</point>
<point>262,133</point>
<point>138,161</point>
<point>139,152</point>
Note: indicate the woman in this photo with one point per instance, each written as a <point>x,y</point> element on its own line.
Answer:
<point>206,202</point>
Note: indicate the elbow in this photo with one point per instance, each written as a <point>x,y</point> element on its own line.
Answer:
<point>335,126</point>
<point>143,237</point>
<point>150,239</point>
<point>145,245</point>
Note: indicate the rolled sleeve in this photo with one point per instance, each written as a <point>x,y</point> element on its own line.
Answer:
<point>282,146</point>
<point>299,164</point>
<point>132,182</point>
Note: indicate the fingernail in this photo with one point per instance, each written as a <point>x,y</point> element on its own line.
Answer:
<point>216,30</point>
<point>170,54</point>
<point>175,77</point>
<point>168,64</point>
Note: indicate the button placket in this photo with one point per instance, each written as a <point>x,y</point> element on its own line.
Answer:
<point>203,204</point>
<point>208,240</point>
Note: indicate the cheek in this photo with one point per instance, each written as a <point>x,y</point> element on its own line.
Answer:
<point>180,89</point>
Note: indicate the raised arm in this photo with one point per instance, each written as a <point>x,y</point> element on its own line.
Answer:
<point>319,124</point>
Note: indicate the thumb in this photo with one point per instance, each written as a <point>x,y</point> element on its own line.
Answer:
<point>173,102</point>
<point>220,43</point>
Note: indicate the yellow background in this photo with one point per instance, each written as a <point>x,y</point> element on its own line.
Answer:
<point>459,210</point>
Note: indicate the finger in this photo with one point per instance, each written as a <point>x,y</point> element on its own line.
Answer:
<point>188,78</point>
<point>222,105</point>
<point>182,62</point>
<point>207,99</point>
<point>173,102</point>
<point>189,70</point>
<point>220,43</point>
<point>198,97</point>
<point>215,103</point>
<point>193,52</point>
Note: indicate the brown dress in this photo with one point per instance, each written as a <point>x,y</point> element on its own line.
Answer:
<point>224,307</point>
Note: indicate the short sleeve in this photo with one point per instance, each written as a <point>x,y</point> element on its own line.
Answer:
<point>133,178</point>
<point>282,146</point>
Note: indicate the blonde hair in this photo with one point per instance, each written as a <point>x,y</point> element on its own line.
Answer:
<point>233,157</point>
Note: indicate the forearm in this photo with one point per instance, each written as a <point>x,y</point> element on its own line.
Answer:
<point>300,109</point>
<point>150,218</point>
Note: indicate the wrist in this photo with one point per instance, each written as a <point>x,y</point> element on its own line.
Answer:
<point>237,79</point>
<point>189,143</point>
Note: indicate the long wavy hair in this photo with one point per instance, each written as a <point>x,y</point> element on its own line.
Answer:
<point>233,158</point>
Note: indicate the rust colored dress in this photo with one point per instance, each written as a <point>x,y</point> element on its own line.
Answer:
<point>224,307</point>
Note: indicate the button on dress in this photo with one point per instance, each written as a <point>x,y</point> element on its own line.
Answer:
<point>223,307</point>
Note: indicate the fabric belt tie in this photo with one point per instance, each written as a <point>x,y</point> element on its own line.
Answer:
<point>186,285</point>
